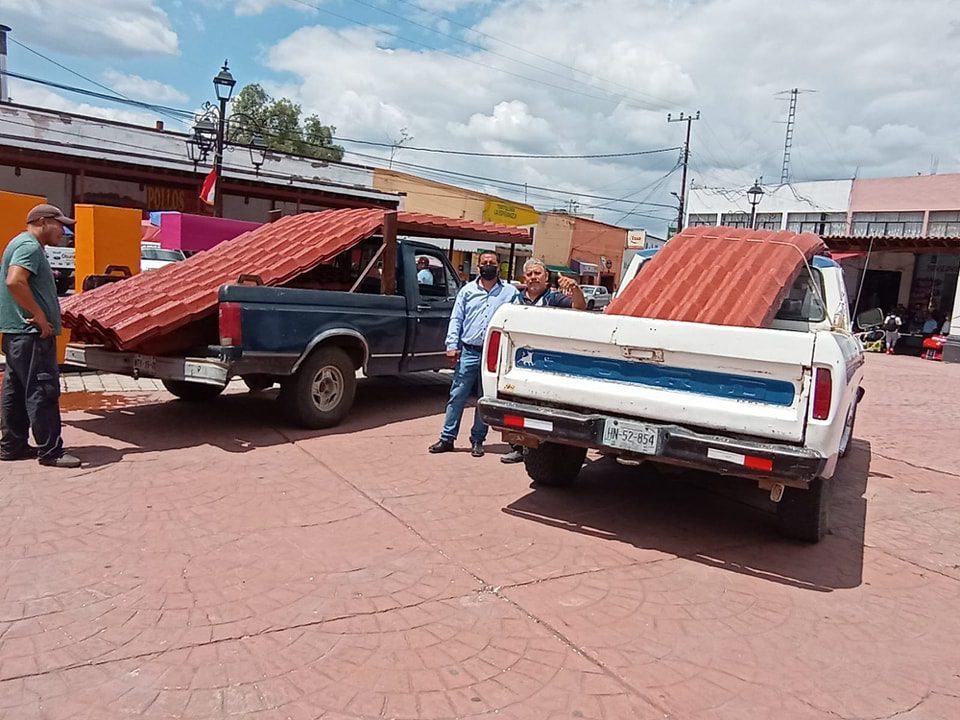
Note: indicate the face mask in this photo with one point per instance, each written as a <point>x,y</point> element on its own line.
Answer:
<point>489,272</point>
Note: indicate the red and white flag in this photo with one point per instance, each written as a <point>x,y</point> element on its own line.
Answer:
<point>208,191</point>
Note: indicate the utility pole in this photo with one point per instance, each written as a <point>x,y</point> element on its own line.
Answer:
<point>788,141</point>
<point>688,119</point>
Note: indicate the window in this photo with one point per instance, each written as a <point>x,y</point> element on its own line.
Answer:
<point>700,219</point>
<point>823,224</point>
<point>944,224</point>
<point>769,221</point>
<point>735,220</point>
<point>442,284</point>
<point>803,301</point>
<point>881,224</point>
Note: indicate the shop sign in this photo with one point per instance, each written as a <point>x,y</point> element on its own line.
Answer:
<point>514,214</point>
<point>636,239</point>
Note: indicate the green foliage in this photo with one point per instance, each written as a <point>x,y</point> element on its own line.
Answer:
<point>278,122</point>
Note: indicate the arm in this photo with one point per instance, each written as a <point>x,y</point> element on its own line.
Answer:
<point>571,288</point>
<point>454,328</point>
<point>18,283</point>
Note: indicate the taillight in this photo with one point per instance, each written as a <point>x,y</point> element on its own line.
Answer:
<point>493,351</point>
<point>822,394</point>
<point>230,332</point>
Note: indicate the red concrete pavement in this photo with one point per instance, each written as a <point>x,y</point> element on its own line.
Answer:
<point>211,563</point>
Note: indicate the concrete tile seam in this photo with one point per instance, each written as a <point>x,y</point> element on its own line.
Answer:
<point>915,466</point>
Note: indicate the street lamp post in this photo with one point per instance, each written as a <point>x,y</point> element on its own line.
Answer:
<point>224,84</point>
<point>210,135</point>
<point>754,195</point>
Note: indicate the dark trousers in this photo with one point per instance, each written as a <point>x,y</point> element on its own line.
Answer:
<point>31,396</point>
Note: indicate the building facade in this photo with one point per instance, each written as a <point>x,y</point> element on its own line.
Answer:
<point>584,248</point>
<point>902,235</point>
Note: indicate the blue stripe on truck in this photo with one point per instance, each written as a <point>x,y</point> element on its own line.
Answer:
<point>701,382</point>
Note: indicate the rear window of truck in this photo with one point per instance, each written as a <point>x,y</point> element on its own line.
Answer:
<point>804,300</point>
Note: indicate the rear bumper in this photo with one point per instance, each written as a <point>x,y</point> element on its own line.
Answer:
<point>790,464</point>
<point>205,371</point>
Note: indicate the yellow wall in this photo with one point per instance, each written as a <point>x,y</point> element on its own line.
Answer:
<point>106,236</point>
<point>436,198</point>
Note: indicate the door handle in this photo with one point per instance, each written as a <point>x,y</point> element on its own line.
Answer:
<point>422,307</point>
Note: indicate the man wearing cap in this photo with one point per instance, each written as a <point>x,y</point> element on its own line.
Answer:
<point>30,323</point>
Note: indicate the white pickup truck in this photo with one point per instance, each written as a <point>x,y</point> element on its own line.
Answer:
<point>775,404</point>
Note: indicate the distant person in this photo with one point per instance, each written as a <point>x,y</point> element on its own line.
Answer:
<point>30,323</point>
<point>945,328</point>
<point>424,276</point>
<point>473,309</point>
<point>536,279</point>
<point>891,331</point>
<point>930,326</point>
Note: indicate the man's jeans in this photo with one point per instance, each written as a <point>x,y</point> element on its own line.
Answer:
<point>31,396</point>
<point>465,380</point>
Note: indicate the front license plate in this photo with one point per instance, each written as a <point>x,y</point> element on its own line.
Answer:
<point>633,436</point>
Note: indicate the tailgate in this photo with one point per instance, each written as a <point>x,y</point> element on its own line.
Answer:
<point>730,379</point>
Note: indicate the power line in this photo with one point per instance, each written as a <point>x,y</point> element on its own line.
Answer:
<point>384,31</point>
<point>663,103</point>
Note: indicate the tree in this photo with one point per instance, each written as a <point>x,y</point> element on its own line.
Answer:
<point>278,122</point>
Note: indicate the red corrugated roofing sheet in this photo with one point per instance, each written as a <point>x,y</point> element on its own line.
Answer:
<point>126,314</point>
<point>424,225</point>
<point>719,276</point>
<point>143,308</point>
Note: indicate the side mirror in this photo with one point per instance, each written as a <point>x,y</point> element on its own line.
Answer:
<point>870,318</point>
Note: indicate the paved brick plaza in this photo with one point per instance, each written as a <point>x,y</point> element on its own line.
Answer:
<point>211,563</point>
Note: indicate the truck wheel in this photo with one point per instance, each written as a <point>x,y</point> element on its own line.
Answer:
<point>258,383</point>
<point>803,514</point>
<point>847,437</point>
<point>192,392</point>
<point>321,392</point>
<point>554,465</point>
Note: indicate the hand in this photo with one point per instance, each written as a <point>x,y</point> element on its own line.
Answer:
<point>452,357</point>
<point>46,329</point>
<point>566,284</point>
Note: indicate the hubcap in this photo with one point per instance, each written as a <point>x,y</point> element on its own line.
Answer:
<point>327,389</point>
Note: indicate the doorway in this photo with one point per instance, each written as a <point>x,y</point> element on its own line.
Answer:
<point>881,289</point>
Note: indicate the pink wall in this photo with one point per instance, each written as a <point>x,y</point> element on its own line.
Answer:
<point>179,231</point>
<point>921,192</point>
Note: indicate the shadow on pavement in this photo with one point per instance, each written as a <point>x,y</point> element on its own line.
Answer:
<point>718,521</point>
<point>242,422</point>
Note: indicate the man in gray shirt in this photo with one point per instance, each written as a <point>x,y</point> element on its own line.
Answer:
<point>30,323</point>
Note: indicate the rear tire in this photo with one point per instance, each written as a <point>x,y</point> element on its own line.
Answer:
<point>321,392</point>
<point>192,392</point>
<point>846,439</point>
<point>554,465</point>
<point>804,514</point>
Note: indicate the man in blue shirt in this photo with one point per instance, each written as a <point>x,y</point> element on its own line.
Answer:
<point>475,305</point>
<point>536,291</point>
<point>424,276</point>
<point>30,323</point>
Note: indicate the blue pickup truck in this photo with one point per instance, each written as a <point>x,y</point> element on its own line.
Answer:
<point>311,341</point>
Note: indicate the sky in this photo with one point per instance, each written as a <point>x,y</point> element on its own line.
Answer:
<point>879,80</point>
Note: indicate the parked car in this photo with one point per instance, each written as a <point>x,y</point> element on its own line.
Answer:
<point>312,342</point>
<point>597,296</point>
<point>775,404</point>
<point>154,257</point>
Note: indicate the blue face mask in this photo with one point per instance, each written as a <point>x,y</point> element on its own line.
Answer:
<point>489,272</point>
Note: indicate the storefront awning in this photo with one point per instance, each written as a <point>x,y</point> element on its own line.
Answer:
<point>562,270</point>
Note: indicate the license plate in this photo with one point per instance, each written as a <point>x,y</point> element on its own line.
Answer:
<point>634,436</point>
<point>145,364</point>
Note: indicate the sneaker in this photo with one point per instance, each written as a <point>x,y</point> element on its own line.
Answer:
<point>28,453</point>
<point>64,461</point>
<point>442,446</point>
<point>514,456</point>
<point>476,449</point>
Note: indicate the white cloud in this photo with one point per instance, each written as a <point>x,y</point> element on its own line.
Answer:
<point>244,8</point>
<point>28,94</point>
<point>140,88</point>
<point>623,64</point>
<point>104,27</point>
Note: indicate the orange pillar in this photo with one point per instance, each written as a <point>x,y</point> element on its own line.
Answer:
<point>105,236</point>
<point>13,215</point>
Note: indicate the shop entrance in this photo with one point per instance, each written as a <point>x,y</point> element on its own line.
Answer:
<point>881,289</point>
